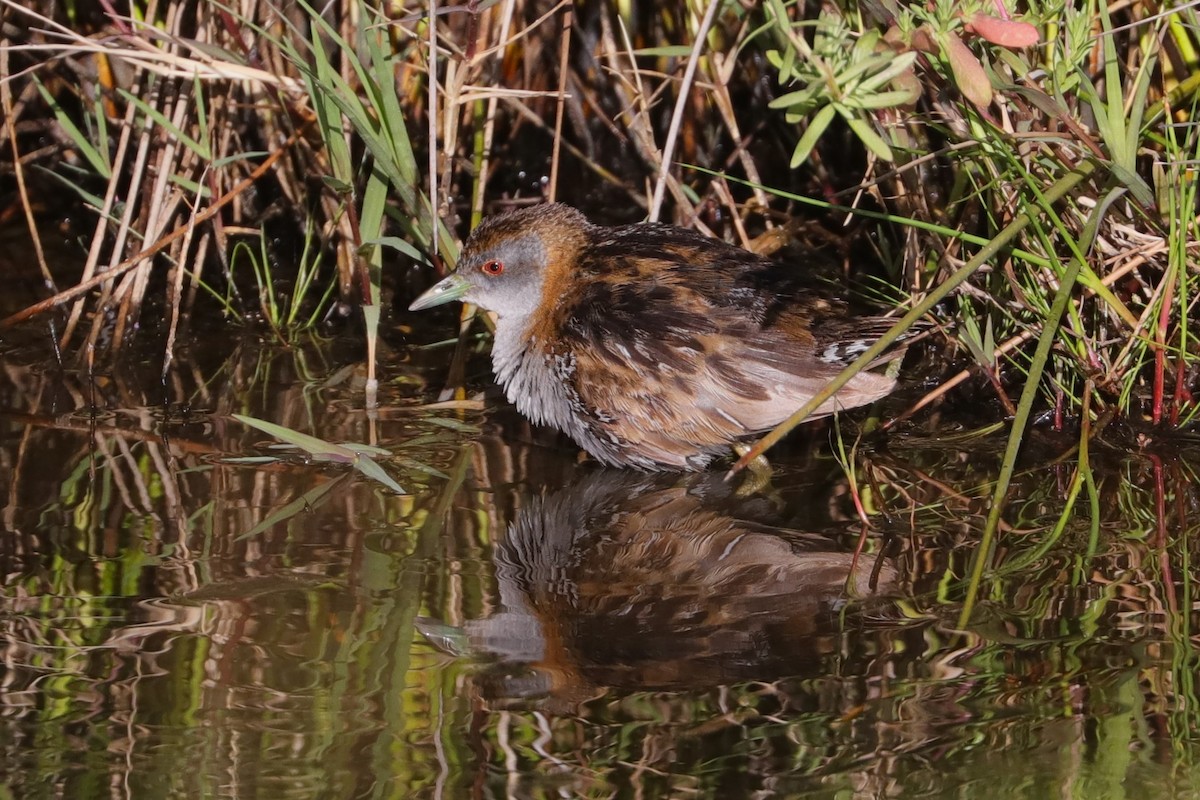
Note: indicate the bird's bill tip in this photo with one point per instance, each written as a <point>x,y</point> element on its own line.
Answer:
<point>450,288</point>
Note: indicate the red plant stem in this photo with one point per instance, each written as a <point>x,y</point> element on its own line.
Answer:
<point>1182,395</point>
<point>1160,503</point>
<point>1159,367</point>
<point>472,29</point>
<point>1160,351</point>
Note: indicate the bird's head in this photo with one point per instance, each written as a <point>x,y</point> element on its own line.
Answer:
<point>509,260</point>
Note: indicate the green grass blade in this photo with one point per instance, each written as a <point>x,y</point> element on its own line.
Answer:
<point>309,444</point>
<point>1001,240</point>
<point>98,161</point>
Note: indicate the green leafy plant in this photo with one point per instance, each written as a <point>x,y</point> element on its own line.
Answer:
<point>288,313</point>
<point>838,81</point>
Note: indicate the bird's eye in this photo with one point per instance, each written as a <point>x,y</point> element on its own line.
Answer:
<point>493,267</point>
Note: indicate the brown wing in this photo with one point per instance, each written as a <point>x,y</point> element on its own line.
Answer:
<point>677,355</point>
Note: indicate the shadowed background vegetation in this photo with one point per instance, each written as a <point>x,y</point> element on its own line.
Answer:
<point>260,163</point>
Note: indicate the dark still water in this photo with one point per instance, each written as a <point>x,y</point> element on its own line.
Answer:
<point>177,623</point>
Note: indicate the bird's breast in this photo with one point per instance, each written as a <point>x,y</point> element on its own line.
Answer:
<point>536,379</point>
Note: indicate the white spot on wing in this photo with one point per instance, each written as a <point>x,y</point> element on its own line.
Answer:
<point>840,352</point>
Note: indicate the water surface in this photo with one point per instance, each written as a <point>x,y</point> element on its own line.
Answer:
<point>519,624</point>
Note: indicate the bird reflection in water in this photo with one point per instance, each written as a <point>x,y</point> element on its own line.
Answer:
<point>644,582</point>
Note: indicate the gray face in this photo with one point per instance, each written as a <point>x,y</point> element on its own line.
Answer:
<point>504,263</point>
<point>505,277</point>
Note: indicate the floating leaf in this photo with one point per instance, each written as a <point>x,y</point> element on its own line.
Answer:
<point>309,444</point>
<point>357,455</point>
<point>372,470</point>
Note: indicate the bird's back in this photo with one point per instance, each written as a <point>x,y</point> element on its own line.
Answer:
<point>681,345</point>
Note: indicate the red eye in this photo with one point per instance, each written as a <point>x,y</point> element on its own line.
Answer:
<point>492,267</point>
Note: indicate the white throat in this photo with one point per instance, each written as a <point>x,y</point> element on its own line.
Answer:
<point>535,380</point>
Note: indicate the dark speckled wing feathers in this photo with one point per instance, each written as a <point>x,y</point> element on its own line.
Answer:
<point>654,316</point>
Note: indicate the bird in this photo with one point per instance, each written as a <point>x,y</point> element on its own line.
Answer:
<point>654,346</point>
<point>658,581</point>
